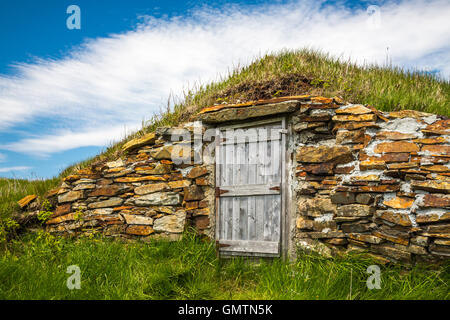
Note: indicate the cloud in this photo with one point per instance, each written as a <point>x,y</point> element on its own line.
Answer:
<point>2,157</point>
<point>12,169</point>
<point>45,145</point>
<point>127,77</point>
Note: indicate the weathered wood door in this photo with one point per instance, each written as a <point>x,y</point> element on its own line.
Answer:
<point>249,178</point>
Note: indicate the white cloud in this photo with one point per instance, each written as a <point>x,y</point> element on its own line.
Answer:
<point>126,77</point>
<point>2,157</point>
<point>12,169</point>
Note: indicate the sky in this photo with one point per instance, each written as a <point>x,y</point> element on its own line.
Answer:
<point>67,94</point>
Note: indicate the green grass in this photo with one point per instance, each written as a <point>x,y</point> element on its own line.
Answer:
<point>34,267</point>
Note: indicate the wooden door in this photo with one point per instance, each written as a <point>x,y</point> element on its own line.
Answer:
<point>249,167</point>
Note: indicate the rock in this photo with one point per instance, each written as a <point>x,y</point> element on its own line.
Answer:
<point>364,198</point>
<point>138,230</point>
<point>420,241</point>
<point>197,172</point>
<point>372,165</point>
<point>408,114</point>
<point>355,136</point>
<point>303,223</point>
<point>320,169</point>
<point>139,179</point>
<point>201,222</point>
<point>432,186</point>
<point>61,210</point>
<point>394,135</point>
<point>139,142</point>
<point>436,150</point>
<point>243,113</point>
<point>70,196</point>
<point>193,193</point>
<point>395,217</point>
<point>390,251</point>
<point>433,217</point>
<point>316,246</point>
<point>179,184</point>
<point>355,118</point>
<point>435,140</point>
<point>151,188</point>
<point>160,168</point>
<point>26,201</point>
<point>396,147</point>
<point>338,155</point>
<point>354,210</point>
<point>353,109</point>
<point>399,203</point>
<point>343,198</point>
<point>173,152</point>
<point>115,164</point>
<point>171,223</point>
<point>112,202</point>
<point>436,201</point>
<point>60,219</point>
<point>109,191</point>
<point>157,199</point>
<point>439,127</point>
<point>136,219</point>
<point>316,207</point>
<point>365,238</point>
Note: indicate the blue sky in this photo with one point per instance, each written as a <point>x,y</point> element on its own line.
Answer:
<point>67,94</point>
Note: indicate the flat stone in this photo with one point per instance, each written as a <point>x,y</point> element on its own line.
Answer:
<point>26,200</point>
<point>179,184</point>
<point>115,164</point>
<point>433,217</point>
<point>432,186</point>
<point>151,188</point>
<point>147,139</point>
<point>390,251</point>
<point>61,210</point>
<point>355,118</point>
<point>394,135</point>
<point>436,149</point>
<point>399,203</point>
<point>402,165</point>
<point>343,198</point>
<point>409,114</point>
<point>171,223</point>
<point>158,199</point>
<point>172,152</point>
<point>436,201</point>
<point>108,191</point>
<point>138,230</point>
<point>396,147</point>
<point>316,207</point>
<point>60,219</point>
<point>354,136</point>
<point>232,114</point>
<point>136,219</point>
<point>372,165</point>
<point>193,193</point>
<point>338,155</point>
<point>441,127</point>
<point>304,224</point>
<point>435,140</point>
<point>395,217</point>
<point>160,168</point>
<point>139,179</point>
<point>113,202</point>
<point>436,168</point>
<point>354,210</point>
<point>365,238</point>
<point>392,238</point>
<point>70,196</point>
<point>355,125</point>
<point>320,169</point>
<point>197,172</point>
<point>353,109</point>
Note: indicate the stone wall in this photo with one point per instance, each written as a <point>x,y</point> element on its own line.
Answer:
<point>368,180</point>
<point>145,194</point>
<point>360,179</point>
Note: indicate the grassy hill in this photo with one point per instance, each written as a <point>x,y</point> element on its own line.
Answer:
<point>274,75</point>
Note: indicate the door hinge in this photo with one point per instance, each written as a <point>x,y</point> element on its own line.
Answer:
<point>220,192</point>
<point>222,245</point>
<point>276,188</point>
